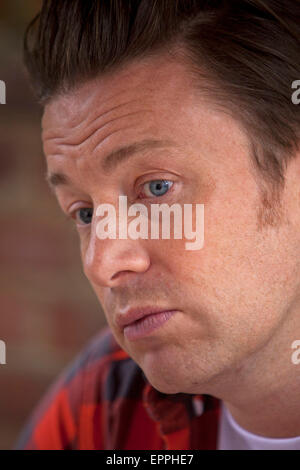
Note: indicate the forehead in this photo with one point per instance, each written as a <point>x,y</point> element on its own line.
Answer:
<point>160,82</point>
<point>153,99</point>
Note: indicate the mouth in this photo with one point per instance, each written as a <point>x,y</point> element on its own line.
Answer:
<point>140,322</point>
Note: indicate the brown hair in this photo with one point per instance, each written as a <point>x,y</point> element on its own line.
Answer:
<point>250,50</point>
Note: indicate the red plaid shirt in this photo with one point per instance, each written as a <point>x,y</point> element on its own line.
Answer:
<point>104,401</point>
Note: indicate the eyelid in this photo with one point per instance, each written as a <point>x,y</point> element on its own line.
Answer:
<point>166,194</point>
<point>75,206</point>
<point>70,211</point>
<point>79,223</point>
<point>72,215</point>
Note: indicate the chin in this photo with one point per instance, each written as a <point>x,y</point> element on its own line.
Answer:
<point>167,380</point>
<point>162,386</point>
<point>171,379</point>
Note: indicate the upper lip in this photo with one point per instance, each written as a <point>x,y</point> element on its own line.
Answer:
<point>134,314</point>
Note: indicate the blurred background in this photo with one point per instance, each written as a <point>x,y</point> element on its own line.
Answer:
<point>48,311</point>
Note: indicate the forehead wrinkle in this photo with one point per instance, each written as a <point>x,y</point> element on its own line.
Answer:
<point>95,148</point>
<point>95,119</point>
<point>94,134</point>
<point>87,134</point>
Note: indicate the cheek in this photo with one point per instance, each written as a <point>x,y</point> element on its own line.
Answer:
<point>84,238</point>
<point>237,277</point>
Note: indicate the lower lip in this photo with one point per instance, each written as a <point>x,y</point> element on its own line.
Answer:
<point>146,325</point>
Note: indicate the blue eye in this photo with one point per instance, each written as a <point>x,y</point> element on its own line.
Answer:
<point>84,215</point>
<point>157,187</point>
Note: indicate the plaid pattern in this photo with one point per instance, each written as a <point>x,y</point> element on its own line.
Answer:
<point>104,401</point>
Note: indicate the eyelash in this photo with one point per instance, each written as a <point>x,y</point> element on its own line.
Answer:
<point>73,214</point>
<point>157,180</point>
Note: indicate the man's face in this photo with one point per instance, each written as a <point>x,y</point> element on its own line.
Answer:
<point>231,297</point>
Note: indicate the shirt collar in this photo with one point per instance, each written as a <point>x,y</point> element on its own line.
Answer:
<point>175,411</point>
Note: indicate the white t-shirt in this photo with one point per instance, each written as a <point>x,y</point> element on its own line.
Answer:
<point>232,437</point>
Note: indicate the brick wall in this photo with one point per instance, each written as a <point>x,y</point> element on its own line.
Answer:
<point>47,309</point>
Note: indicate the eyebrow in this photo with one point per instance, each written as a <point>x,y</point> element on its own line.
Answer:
<point>113,159</point>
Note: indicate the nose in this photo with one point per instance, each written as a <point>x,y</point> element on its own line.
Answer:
<point>108,262</point>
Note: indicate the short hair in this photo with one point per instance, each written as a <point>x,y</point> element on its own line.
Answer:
<point>248,49</point>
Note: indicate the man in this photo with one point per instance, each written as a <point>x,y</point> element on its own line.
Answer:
<point>177,102</point>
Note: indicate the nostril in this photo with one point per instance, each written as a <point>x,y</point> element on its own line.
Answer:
<point>120,273</point>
